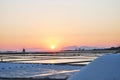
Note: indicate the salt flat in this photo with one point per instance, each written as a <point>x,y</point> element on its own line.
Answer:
<point>17,70</point>
<point>39,66</point>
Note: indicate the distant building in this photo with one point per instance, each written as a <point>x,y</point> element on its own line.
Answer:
<point>23,50</point>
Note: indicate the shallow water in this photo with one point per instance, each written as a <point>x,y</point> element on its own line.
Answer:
<point>21,66</point>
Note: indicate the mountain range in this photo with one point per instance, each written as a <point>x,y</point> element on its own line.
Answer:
<point>81,47</point>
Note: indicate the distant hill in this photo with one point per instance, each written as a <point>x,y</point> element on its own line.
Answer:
<point>81,47</point>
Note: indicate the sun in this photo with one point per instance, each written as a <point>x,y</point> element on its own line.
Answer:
<point>52,47</point>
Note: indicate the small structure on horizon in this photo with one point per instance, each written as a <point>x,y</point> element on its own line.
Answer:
<point>23,50</point>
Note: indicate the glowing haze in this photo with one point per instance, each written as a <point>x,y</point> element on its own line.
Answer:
<point>46,24</point>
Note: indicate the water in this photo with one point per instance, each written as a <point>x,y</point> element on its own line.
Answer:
<point>39,66</point>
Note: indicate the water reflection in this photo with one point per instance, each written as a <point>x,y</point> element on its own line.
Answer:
<point>53,61</point>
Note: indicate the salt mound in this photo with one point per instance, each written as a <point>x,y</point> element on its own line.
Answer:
<point>106,67</point>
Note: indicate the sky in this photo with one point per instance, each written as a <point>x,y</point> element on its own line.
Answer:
<point>42,24</point>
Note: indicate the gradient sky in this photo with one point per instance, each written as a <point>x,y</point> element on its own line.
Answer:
<point>42,23</point>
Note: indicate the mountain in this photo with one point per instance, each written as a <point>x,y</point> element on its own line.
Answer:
<point>81,47</point>
<point>70,48</point>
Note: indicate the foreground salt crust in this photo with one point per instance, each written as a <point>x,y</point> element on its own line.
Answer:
<point>103,68</point>
<point>26,70</point>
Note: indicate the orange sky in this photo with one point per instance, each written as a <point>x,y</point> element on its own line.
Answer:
<point>42,23</point>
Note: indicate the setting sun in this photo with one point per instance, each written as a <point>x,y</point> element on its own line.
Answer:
<point>52,47</point>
